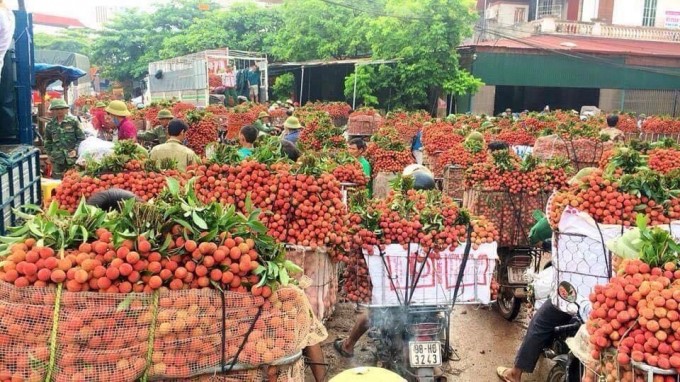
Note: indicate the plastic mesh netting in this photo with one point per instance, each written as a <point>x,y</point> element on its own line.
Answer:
<point>160,336</point>
<point>323,278</point>
<point>512,214</point>
<point>583,152</point>
<point>454,182</point>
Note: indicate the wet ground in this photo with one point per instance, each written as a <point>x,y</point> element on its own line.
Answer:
<point>482,339</point>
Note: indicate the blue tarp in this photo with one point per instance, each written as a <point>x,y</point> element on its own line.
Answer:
<point>63,73</point>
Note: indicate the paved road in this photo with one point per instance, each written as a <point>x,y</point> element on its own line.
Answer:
<point>481,337</point>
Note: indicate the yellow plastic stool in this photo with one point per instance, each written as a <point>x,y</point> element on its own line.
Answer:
<point>48,186</point>
<point>372,374</point>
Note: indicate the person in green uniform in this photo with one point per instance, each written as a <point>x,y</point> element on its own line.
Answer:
<point>158,134</point>
<point>247,139</point>
<point>263,123</point>
<point>63,135</point>
<point>356,148</point>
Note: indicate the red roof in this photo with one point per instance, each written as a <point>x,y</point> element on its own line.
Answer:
<point>56,21</point>
<point>591,45</point>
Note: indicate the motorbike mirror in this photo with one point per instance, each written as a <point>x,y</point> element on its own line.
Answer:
<point>567,292</point>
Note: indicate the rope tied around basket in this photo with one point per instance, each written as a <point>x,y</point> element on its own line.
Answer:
<point>152,335</point>
<point>53,333</point>
<point>55,326</point>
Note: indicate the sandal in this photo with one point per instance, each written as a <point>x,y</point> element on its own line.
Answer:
<point>500,371</point>
<point>337,344</point>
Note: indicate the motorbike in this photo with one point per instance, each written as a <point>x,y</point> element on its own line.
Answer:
<point>411,340</point>
<point>567,367</point>
<point>414,340</point>
<point>511,276</point>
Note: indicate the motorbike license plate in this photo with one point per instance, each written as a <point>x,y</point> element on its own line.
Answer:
<point>517,275</point>
<point>425,354</point>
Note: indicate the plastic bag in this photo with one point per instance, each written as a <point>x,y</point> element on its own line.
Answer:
<point>93,148</point>
<point>541,231</point>
<point>542,286</point>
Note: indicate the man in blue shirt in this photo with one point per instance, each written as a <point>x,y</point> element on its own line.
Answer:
<point>417,147</point>
<point>247,139</point>
<point>253,77</point>
<point>292,128</point>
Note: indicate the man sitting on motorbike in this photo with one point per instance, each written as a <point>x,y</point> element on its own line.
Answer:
<point>423,180</point>
<point>541,331</point>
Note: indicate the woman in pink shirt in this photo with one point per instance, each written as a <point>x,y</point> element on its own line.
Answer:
<point>118,112</point>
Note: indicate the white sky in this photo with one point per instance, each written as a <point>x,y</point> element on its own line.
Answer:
<point>83,10</point>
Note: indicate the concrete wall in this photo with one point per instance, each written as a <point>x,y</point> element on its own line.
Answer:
<point>630,12</point>
<point>483,101</point>
<point>658,102</point>
<point>504,12</point>
<point>662,7</point>
<point>589,10</point>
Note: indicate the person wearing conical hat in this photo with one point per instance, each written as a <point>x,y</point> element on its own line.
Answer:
<point>63,135</point>
<point>99,120</point>
<point>119,113</point>
<point>292,129</point>
<point>263,123</point>
<point>159,134</point>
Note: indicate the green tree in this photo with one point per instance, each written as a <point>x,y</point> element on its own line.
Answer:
<point>364,93</point>
<point>318,29</point>
<point>78,40</point>
<point>120,46</point>
<point>422,37</point>
<point>244,26</point>
<point>127,44</point>
<point>283,86</point>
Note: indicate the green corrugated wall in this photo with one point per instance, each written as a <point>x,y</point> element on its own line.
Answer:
<point>556,70</point>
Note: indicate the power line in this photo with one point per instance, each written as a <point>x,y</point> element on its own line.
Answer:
<point>579,55</point>
<point>376,12</point>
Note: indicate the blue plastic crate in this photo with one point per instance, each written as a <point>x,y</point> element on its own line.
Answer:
<point>19,181</point>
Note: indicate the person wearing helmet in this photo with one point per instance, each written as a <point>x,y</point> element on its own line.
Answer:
<point>99,120</point>
<point>263,123</point>
<point>158,135</point>
<point>119,113</point>
<point>423,178</point>
<point>292,129</point>
<point>63,135</point>
<point>109,200</point>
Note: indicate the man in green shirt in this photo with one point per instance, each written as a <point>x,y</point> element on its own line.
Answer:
<point>62,138</point>
<point>247,139</point>
<point>158,134</point>
<point>356,148</point>
<point>263,123</point>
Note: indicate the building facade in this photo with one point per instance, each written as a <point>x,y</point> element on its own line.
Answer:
<point>641,13</point>
<point>536,53</point>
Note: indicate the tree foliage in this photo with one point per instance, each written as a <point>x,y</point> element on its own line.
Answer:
<point>283,86</point>
<point>133,39</point>
<point>77,40</point>
<point>244,26</point>
<point>318,29</point>
<point>422,36</point>
<point>364,93</point>
<point>418,37</point>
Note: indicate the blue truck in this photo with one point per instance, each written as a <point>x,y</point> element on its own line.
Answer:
<point>19,159</point>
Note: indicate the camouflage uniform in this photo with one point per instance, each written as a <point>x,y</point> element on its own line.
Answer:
<point>153,137</point>
<point>60,139</point>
